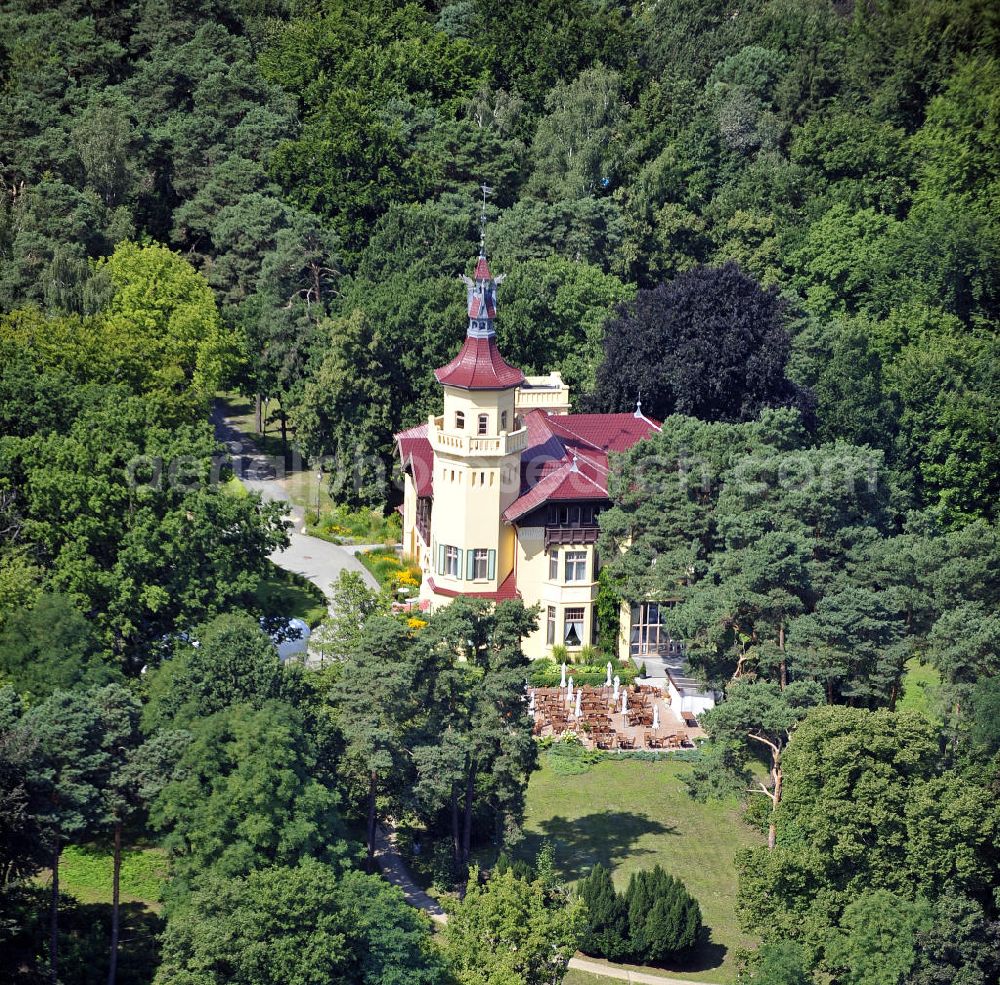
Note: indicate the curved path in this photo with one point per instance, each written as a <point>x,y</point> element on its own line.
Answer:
<point>313,558</point>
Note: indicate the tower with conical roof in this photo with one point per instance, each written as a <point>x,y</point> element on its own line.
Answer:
<point>477,444</point>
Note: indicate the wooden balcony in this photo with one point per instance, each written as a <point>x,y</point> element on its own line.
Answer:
<point>571,535</point>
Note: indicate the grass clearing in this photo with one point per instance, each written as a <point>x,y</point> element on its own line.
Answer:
<point>920,681</point>
<point>85,871</point>
<point>631,815</point>
<point>285,593</point>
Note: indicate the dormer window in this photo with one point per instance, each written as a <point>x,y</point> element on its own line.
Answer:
<point>484,424</point>
<point>459,420</point>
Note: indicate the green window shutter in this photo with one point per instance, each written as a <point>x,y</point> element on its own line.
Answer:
<point>460,560</point>
<point>470,565</point>
<point>440,559</point>
<point>491,564</point>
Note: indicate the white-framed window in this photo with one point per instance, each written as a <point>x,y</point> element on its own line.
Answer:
<point>483,426</point>
<point>550,625</point>
<point>650,634</point>
<point>452,565</point>
<point>554,564</point>
<point>573,626</point>
<point>480,563</point>
<point>576,566</point>
<point>503,420</point>
<point>459,420</point>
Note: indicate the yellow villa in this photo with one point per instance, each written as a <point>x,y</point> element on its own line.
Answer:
<point>503,490</point>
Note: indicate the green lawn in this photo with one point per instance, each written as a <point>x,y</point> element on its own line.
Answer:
<point>285,593</point>
<point>919,682</point>
<point>631,815</point>
<point>574,977</point>
<point>86,872</point>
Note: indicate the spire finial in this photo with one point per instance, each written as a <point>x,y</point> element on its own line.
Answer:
<point>638,405</point>
<point>486,190</point>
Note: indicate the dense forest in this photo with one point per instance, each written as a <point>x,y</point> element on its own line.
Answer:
<point>319,164</point>
<point>774,222</point>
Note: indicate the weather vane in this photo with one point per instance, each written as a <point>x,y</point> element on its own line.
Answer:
<point>482,219</point>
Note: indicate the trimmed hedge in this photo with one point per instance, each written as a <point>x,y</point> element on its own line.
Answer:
<point>546,673</point>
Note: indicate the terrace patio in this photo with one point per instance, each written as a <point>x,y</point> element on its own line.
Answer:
<point>611,718</point>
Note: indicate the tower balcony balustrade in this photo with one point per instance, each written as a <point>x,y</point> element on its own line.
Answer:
<point>460,443</point>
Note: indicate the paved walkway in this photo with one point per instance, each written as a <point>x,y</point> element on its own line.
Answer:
<point>318,560</point>
<point>624,974</point>
<point>394,870</point>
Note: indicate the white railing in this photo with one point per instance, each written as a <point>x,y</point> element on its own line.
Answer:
<point>475,444</point>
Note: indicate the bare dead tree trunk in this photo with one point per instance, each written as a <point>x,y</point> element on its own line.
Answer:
<point>776,780</point>
<point>115,904</point>
<point>772,831</point>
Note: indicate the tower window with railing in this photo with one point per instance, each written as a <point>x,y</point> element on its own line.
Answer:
<point>484,424</point>
<point>459,420</point>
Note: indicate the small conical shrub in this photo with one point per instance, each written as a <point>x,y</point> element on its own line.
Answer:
<point>663,918</point>
<point>605,934</point>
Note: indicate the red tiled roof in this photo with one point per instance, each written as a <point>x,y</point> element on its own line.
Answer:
<point>482,270</point>
<point>567,456</point>
<point>479,366</point>
<point>506,590</point>
<point>417,456</point>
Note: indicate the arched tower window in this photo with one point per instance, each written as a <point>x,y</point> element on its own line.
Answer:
<point>503,420</point>
<point>459,420</point>
<point>484,424</point>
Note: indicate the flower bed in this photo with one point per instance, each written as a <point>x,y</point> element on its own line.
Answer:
<point>391,571</point>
